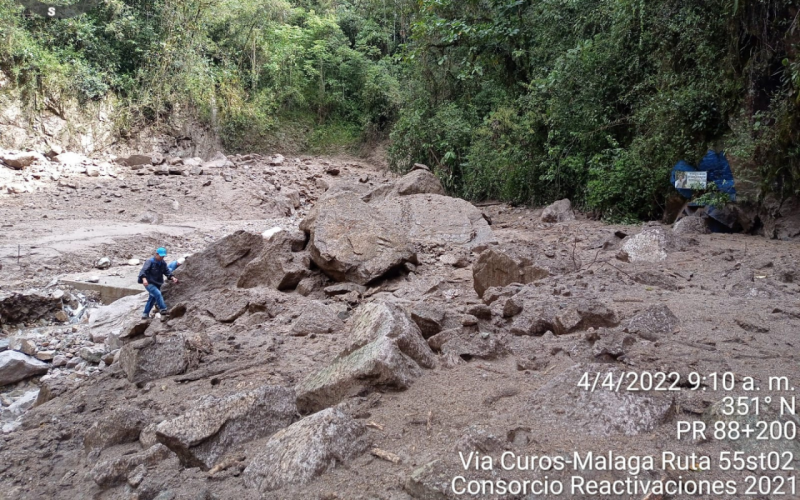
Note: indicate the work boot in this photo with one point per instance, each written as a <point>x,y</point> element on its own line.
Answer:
<point>145,316</point>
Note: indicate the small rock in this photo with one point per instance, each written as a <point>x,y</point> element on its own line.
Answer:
<point>103,263</point>
<point>560,211</point>
<point>62,316</point>
<point>134,262</point>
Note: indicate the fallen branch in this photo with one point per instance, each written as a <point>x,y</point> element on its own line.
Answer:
<point>386,455</point>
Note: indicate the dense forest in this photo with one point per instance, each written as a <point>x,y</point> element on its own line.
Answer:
<point>520,100</point>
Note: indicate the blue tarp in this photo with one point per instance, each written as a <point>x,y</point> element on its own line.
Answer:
<point>719,172</point>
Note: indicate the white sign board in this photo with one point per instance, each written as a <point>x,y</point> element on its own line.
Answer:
<point>691,180</point>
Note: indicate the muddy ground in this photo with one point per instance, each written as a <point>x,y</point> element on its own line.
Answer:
<point>507,385</point>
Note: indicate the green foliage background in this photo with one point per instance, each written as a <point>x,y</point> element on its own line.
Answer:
<point>523,101</point>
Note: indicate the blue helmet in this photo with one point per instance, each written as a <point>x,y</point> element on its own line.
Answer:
<point>162,252</point>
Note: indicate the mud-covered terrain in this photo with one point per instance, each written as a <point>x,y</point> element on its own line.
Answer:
<point>338,332</point>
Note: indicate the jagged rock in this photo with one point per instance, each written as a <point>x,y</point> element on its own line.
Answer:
<point>350,241</point>
<point>219,266</point>
<point>318,318</point>
<point>498,268</point>
<point>419,182</point>
<point>140,159</point>
<point>151,359</point>
<point>19,161</point>
<point>311,284</point>
<point>385,349</point>
<point>277,160</point>
<point>151,218</point>
<point>429,318</point>
<point>344,288</point>
<point>121,425</point>
<point>559,211</point>
<point>119,320</point>
<point>692,225</point>
<point>611,345</point>
<point>431,481</point>
<point>103,263</point>
<point>203,435</point>
<point>582,314</point>
<point>654,322</point>
<point>545,313</point>
<point>473,345</point>
<point>653,278</point>
<point>280,264</point>
<point>561,403</point>
<point>432,219</point>
<point>51,388</point>
<point>650,245</point>
<point>112,472</point>
<point>381,321</point>
<point>16,366</point>
<point>92,354</point>
<point>27,307</point>
<point>231,308</point>
<point>306,449</point>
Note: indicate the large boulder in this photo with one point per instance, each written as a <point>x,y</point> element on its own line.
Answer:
<point>280,264</point>
<point>563,404</point>
<point>305,450</point>
<point>121,425</point>
<point>419,182</point>
<point>15,366</point>
<point>385,349</point>
<point>385,321</point>
<point>219,266</point>
<point>499,268</point>
<point>118,319</point>
<point>203,435</point>
<point>351,241</point>
<point>154,358</point>
<point>18,307</point>
<point>432,219</point>
<point>560,211</point>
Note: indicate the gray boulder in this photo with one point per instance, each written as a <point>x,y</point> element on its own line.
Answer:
<point>559,211</point>
<point>385,349</point>
<point>280,265</point>
<point>121,425</point>
<point>499,268</point>
<point>203,435</point>
<point>305,450</point>
<point>154,358</point>
<point>419,182</point>
<point>562,404</point>
<point>15,366</point>
<point>351,241</point>
<point>219,266</point>
<point>432,219</point>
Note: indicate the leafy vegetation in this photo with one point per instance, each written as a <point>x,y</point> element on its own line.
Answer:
<point>517,100</point>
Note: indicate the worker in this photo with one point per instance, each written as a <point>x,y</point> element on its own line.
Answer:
<point>175,264</point>
<point>152,277</point>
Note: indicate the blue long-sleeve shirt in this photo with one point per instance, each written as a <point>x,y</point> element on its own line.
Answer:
<point>155,270</point>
